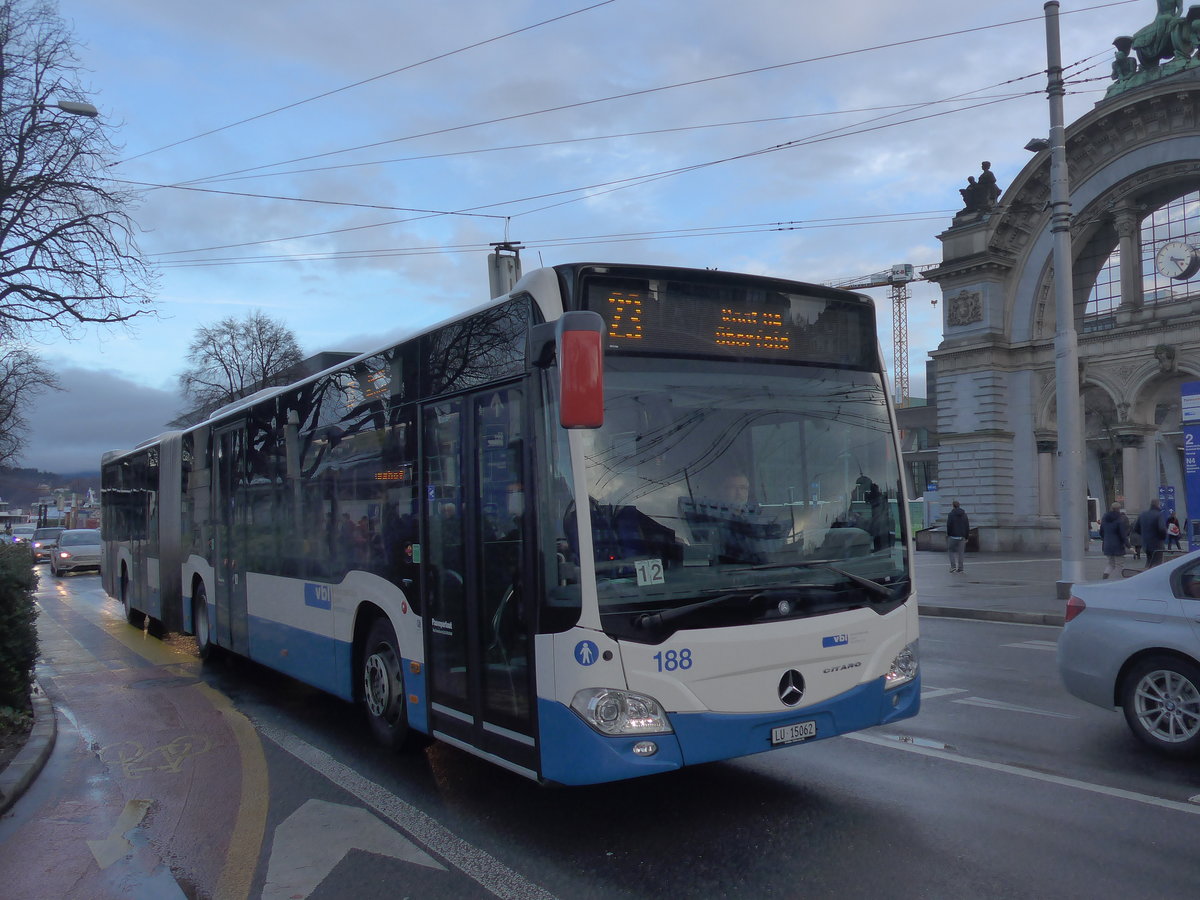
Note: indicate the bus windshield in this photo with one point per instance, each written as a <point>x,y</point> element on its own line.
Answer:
<point>745,495</point>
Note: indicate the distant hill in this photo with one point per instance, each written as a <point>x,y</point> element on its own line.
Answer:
<point>22,487</point>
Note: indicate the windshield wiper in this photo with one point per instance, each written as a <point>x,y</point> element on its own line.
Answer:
<point>873,586</point>
<point>653,620</point>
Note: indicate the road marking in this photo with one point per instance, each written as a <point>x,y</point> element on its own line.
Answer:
<point>245,842</point>
<point>1117,793</point>
<point>940,692</point>
<point>1011,707</point>
<point>136,761</point>
<point>1035,645</point>
<point>482,868</point>
<point>317,836</point>
<point>116,846</point>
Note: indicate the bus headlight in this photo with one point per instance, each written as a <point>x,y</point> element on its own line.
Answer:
<point>904,667</point>
<point>615,712</point>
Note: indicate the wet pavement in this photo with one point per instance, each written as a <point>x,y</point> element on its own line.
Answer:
<point>148,757</point>
<point>179,758</point>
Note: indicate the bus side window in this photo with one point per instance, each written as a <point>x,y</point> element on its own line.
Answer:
<point>561,602</point>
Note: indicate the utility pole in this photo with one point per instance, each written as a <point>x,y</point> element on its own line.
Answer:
<point>1072,491</point>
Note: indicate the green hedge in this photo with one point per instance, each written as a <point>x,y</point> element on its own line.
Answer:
<point>18,628</point>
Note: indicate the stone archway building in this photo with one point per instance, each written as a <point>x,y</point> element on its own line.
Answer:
<point>1128,159</point>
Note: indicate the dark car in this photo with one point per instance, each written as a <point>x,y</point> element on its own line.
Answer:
<point>78,548</point>
<point>44,542</point>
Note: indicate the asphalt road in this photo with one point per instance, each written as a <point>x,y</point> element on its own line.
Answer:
<point>173,779</point>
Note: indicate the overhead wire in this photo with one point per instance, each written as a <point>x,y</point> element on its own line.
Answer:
<point>633,181</point>
<point>614,185</point>
<point>544,243</point>
<point>533,145</point>
<point>637,93</point>
<point>363,81</point>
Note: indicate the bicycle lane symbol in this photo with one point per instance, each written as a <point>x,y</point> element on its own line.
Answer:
<point>136,761</point>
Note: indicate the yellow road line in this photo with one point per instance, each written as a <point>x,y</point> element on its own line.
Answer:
<point>245,843</point>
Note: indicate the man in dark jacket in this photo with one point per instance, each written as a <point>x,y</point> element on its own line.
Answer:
<point>1114,538</point>
<point>1154,533</point>
<point>958,529</point>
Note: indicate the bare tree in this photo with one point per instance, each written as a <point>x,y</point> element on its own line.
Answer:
<point>234,358</point>
<point>22,376</point>
<point>67,252</point>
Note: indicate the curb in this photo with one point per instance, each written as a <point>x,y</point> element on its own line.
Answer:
<point>26,765</point>
<point>992,615</point>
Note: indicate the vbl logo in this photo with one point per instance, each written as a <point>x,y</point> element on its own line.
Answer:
<point>835,640</point>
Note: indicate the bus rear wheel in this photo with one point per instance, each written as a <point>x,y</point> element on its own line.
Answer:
<point>204,643</point>
<point>131,615</point>
<point>383,686</point>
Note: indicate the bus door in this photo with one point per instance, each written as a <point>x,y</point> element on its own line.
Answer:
<point>229,539</point>
<point>479,665</point>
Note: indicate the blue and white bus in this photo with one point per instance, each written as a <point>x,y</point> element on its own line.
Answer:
<point>620,520</point>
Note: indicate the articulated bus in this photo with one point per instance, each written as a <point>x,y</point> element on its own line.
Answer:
<point>620,520</point>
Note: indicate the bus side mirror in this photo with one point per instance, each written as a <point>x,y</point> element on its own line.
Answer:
<point>579,335</point>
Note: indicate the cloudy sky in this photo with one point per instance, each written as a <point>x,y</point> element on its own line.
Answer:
<point>344,167</point>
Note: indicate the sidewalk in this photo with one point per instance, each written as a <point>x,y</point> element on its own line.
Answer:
<point>998,587</point>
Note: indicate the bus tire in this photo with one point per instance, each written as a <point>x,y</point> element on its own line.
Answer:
<point>383,686</point>
<point>130,614</point>
<point>204,645</point>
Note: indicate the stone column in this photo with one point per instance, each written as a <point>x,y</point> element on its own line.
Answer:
<point>1047,488</point>
<point>1129,230</point>
<point>1133,476</point>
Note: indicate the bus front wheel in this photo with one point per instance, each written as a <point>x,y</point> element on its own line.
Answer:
<point>383,686</point>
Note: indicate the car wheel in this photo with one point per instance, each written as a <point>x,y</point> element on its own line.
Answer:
<point>383,686</point>
<point>201,624</point>
<point>1161,700</point>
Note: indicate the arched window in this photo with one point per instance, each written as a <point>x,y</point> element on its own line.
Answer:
<point>1178,220</point>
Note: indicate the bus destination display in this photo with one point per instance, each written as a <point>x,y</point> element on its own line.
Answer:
<point>684,319</point>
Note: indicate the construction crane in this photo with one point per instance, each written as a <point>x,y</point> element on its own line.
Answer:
<point>898,277</point>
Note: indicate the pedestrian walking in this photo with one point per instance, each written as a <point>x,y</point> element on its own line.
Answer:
<point>1114,538</point>
<point>958,529</point>
<point>1174,532</point>
<point>1150,527</point>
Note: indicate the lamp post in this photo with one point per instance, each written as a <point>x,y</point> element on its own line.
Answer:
<point>75,109</point>
<point>1072,492</point>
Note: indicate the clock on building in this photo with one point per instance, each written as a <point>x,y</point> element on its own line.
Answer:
<point>1178,260</point>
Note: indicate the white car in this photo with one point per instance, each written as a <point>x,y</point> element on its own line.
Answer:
<point>23,534</point>
<point>78,548</point>
<point>1134,643</point>
<point>44,542</point>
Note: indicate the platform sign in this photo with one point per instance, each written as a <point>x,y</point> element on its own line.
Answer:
<point>1190,404</point>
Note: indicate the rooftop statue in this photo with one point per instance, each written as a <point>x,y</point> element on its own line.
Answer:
<point>1158,40</point>
<point>981,194</point>
<point>1172,36</point>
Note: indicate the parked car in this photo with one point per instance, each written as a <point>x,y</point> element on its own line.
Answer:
<point>44,542</point>
<point>1134,643</point>
<point>78,548</point>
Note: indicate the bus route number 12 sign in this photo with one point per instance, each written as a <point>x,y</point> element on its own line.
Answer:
<point>649,571</point>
